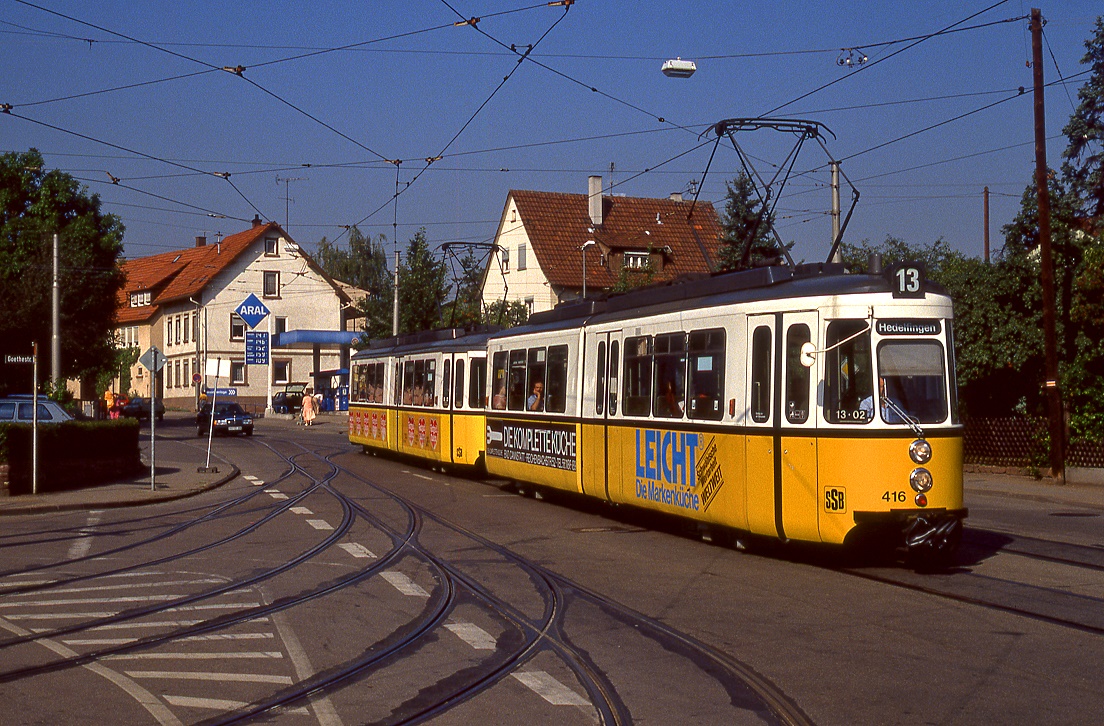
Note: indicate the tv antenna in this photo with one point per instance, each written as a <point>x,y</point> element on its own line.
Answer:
<point>287,180</point>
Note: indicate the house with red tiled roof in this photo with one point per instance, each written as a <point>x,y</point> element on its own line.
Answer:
<point>538,257</point>
<point>184,303</point>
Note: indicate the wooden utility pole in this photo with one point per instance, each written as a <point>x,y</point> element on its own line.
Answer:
<point>987,225</point>
<point>1053,394</point>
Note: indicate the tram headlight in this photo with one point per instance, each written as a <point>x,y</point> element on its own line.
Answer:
<point>920,451</point>
<point>920,480</point>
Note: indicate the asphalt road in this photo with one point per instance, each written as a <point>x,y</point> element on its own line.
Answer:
<point>324,585</point>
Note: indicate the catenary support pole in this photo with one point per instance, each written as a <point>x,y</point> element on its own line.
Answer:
<point>1053,393</point>
<point>55,320</point>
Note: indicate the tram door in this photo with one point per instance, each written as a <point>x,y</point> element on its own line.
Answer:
<point>800,498</point>
<point>760,419</point>
<point>601,447</point>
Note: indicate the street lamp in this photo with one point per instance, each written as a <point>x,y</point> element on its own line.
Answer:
<point>586,245</point>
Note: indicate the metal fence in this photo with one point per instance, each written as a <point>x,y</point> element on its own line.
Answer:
<point>1021,441</point>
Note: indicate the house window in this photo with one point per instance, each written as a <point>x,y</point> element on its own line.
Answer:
<point>637,260</point>
<point>280,325</point>
<point>168,331</point>
<point>237,327</point>
<point>505,257</point>
<point>521,257</point>
<point>176,338</point>
<point>237,373</point>
<point>187,327</point>
<point>271,250</point>
<point>187,373</point>
<point>529,306</point>
<point>176,375</point>
<point>272,284</point>
<point>281,371</point>
<point>138,299</point>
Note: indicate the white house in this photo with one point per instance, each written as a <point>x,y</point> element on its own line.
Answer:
<point>183,302</point>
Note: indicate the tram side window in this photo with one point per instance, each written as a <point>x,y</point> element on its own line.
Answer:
<point>614,361</point>
<point>707,365</point>
<point>477,391</point>
<point>797,375</point>
<point>458,396</point>
<point>535,375</point>
<point>912,375</point>
<point>408,383</point>
<point>398,383</point>
<point>498,385</point>
<point>429,392</point>
<point>848,378</point>
<point>760,374</point>
<point>638,376</point>
<point>556,381</point>
<point>377,383</point>
<point>446,383</point>
<point>670,376</point>
<point>515,383</point>
<point>952,367</point>
<point>600,380</point>
<point>360,383</point>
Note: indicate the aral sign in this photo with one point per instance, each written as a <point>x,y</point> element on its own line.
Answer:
<point>252,311</point>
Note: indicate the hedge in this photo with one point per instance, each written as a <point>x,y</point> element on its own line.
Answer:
<point>71,455</point>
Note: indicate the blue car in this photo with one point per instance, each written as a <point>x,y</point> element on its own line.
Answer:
<point>230,418</point>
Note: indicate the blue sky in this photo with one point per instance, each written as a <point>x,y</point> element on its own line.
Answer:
<point>417,87</point>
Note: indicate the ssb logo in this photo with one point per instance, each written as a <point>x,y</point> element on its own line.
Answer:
<point>835,499</point>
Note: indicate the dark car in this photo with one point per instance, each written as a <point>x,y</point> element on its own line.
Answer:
<point>289,400</point>
<point>230,418</point>
<point>139,408</point>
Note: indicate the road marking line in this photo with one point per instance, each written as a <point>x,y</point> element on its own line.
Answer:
<point>404,584</point>
<point>549,689</point>
<point>226,606</point>
<point>473,635</point>
<point>319,524</point>
<point>324,710</point>
<point>301,510</point>
<point>356,550</point>
<point>228,636</point>
<point>200,676</point>
<point>267,654</point>
<point>134,598</point>
<point>423,476</point>
<point>278,495</point>
<point>258,483</point>
<point>174,583</point>
<point>218,704</point>
<point>80,547</point>
<point>56,616</point>
<point>150,624</point>
<point>99,641</point>
<point>250,477</point>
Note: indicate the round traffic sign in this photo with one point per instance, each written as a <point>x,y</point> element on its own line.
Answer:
<point>196,378</point>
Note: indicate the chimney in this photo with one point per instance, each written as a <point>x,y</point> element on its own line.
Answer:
<point>201,241</point>
<point>257,220</point>
<point>594,197</point>
<point>676,196</point>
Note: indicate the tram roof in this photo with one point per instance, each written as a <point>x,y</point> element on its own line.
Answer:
<point>445,339</point>
<point>765,283</point>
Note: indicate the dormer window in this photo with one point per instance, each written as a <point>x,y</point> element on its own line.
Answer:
<point>139,299</point>
<point>271,247</point>
<point>637,260</point>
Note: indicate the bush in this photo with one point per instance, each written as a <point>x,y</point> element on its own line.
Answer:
<point>71,455</point>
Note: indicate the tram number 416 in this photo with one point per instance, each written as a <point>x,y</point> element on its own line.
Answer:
<point>895,497</point>
<point>835,500</point>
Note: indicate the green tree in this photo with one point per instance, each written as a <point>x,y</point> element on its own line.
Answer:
<point>466,308</point>
<point>1084,154</point>
<point>363,265</point>
<point>745,218</point>
<point>35,204</point>
<point>423,287</point>
<point>506,314</point>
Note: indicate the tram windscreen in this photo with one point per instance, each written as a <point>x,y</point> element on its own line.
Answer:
<point>848,377</point>
<point>914,382</point>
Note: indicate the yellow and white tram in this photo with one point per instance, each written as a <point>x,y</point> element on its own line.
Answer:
<point>796,403</point>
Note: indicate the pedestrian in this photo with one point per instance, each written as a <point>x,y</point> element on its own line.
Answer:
<point>310,409</point>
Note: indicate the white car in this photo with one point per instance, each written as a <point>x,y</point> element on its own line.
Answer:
<point>17,409</point>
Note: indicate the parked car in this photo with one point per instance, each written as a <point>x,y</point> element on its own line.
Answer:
<point>230,418</point>
<point>289,400</point>
<point>18,409</point>
<point>139,408</point>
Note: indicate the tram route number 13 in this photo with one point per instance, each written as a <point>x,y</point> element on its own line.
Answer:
<point>907,279</point>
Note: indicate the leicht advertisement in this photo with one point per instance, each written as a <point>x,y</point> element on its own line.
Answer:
<point>542,444</point>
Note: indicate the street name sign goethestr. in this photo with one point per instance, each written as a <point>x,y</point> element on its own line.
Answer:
<point>252,311</point>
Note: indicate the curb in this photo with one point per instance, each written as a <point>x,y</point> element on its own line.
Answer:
<point>47,507</point>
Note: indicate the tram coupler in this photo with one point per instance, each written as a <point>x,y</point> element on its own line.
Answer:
<point>932,538</point>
